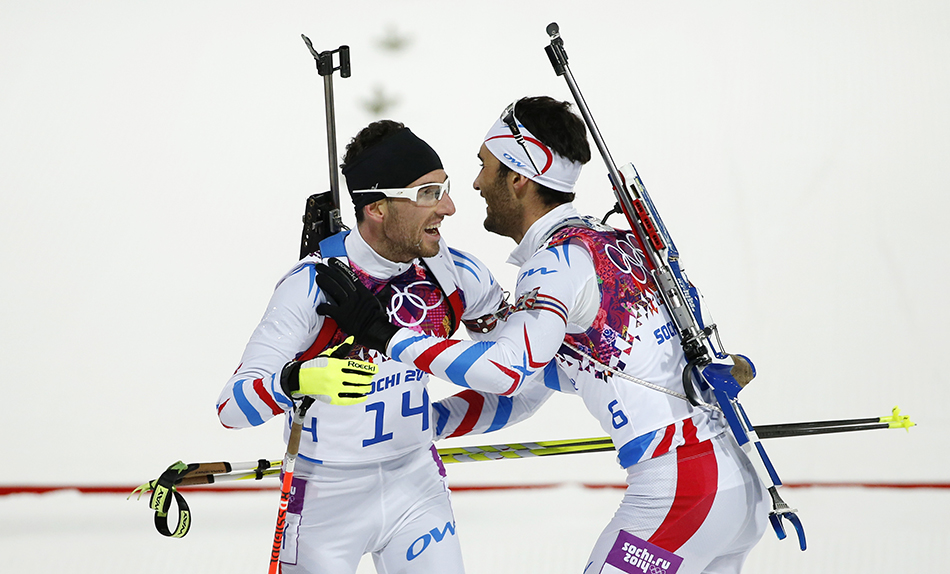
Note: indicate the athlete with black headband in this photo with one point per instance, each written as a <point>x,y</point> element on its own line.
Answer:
<point>368,478</point>
<point>589,320</point>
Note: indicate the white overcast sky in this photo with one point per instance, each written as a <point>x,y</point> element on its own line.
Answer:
<point>155,158</point>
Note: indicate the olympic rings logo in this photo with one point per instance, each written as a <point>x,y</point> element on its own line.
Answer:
<point>413,302</point>
<point>627,259</point>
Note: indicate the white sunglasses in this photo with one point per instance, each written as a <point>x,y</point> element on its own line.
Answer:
<point>426,195</point>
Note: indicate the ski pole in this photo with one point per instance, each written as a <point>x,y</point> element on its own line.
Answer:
<point>195,474</point>
<point>453,455</point>
<point>255,470</point>
<point>806,431</point>
<point>290,459</point>
<point>895,420</point>
<point>524,450</point>
<point>230,476</point>
<point>600,444</point>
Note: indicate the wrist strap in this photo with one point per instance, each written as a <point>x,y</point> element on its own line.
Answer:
<point>163,490</point>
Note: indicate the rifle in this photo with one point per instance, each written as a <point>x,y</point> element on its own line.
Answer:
<point>700,342</point>
<point>321,217</point>
<point>320,220</point>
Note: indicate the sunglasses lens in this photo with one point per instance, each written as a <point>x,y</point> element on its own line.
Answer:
<point>431,194</point>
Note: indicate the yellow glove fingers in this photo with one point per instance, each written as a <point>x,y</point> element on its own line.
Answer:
<point>336,381</point>
<point>360,386</point>
<point>357,367</point>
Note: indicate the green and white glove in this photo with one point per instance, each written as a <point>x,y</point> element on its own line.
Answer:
<point>330,377</point>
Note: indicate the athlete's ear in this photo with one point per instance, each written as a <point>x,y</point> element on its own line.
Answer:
<point>376,211</point>
<point>519,184</point>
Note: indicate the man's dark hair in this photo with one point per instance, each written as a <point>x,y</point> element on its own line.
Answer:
<point>365,139</point>
<point>553,122</point>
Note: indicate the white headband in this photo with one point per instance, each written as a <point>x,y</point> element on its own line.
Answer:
<point>557,172</point>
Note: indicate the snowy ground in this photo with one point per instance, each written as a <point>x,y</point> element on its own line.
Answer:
<point>851,530</point>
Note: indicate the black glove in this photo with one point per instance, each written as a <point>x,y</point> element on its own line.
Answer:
<point>354,308</point>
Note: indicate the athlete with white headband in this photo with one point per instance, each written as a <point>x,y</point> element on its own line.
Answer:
<point>517,148</point>
<point>368,478</point>
<point>589,320</point>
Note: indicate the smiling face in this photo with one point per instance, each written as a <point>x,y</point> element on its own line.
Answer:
<point>410,230</point>
<point>504,213</point>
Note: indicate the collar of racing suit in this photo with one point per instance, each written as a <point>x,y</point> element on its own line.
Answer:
<point>539,232</point>
<point>374,264</point>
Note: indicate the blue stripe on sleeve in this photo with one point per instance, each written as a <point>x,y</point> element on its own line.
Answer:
<point>249,411</point>
<point>443,414</point>
<point>502,414</point>
<point>398,348</point>
<point>279,393</point>
<point>551,380</point>
<point>456,371</point>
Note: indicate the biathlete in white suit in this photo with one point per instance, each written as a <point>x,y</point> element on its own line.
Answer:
<point>368,478</point>
<point>588,320</point>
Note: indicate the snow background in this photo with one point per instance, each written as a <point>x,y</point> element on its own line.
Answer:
<point>155,158</point>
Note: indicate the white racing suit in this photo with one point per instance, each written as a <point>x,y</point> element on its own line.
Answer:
<point>588,320</point>
<point>368,478</point>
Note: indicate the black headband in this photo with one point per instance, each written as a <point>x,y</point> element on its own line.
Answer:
<point>392,163</point>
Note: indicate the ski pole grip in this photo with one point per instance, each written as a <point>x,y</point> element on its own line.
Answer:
<point>211,468</point>
<point>293,442</point>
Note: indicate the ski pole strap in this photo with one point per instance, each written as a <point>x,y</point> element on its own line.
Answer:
<point>163,490</point>
<point>184,517</point>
